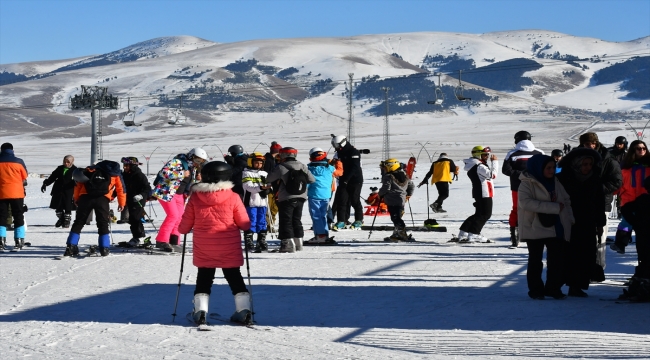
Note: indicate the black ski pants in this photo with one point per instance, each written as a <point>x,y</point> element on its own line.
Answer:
<point>85,206</point>
<point>65,201</point>
<point>483,212</point>
<point>555,261</point>
<point>205,278</point>
<point>290,218</point>
<point>395,212</point>
<point>643,252</point>
<point>16,211</point>
<point>350,194</point>
<point>136,212</point>
<point>443,192</point>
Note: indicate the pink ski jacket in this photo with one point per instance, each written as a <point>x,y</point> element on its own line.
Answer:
<point>217,215</point>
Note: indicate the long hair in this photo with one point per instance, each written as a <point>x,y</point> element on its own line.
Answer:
<point>630,156</point>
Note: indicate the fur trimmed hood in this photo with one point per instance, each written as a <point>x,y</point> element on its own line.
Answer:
<point>212,187</point>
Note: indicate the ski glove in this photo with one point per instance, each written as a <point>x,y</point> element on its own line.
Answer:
<point>137,198</point>
<point>43,188</point>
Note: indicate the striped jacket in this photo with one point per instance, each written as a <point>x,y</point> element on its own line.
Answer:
<point>251,180</point>
<point>515,161</point>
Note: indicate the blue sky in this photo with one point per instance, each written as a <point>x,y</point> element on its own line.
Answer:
<point>33,30</point>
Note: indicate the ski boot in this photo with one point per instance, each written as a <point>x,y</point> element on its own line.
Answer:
<point>174,244</point>
<point>318,239</point>
<point>71,250</point>
<point>298,243</point>
<point>514,239</point>
<point>394,237</point>
<point>3,244</point>
<point>440,209</point>
<point>59,223</point>
<point>67,218</point>
<point>248,240</point>
<point>434,207</point>
<point>243,312</point>
<point>133,243</point>
<point>623,238</point>
<point>462,237</point>
<point>356,225</point>
<point>200,312</point>
<point>261,245</point>
<point>478,238</point>
<point>19,243</point>
<point>286,246</point>
<point>338,226</point>
<point>146,243</point>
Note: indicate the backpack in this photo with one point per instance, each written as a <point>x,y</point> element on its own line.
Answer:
<point>98,183</point>
<point>296,183</point>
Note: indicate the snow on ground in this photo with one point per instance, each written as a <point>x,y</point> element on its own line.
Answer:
<point>364,300</point>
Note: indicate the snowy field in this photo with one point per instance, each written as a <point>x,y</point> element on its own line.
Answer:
<point>363,300</point>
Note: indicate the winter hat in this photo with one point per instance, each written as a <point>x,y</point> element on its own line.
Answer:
<point>374,190</point>
<point>130,161</point>
<point>6,146</point>
<point>275,147</point>
<point>589,137</point>
<point>442,156</point>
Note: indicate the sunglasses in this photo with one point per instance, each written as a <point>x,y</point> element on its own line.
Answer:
<point>640,148</point>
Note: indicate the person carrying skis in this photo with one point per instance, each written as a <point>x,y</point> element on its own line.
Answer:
<point>350,183</point>
<point>513,165</point>
<point>137,193</point>
<point>94,189</point>
<point>482,176</point>
<point>255,200</point>
<point>62,191</point>
<point>396,189</point>
<point>292,194</point>
<point>441,175</point>
<point>13,179</point>
<point>319,193</point>
<point>216,215</point>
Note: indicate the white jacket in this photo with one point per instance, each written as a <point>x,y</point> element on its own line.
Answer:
<point>482,185</point>
<point>251,181</point>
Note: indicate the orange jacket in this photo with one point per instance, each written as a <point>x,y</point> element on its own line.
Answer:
<point>373,199</point>
<point>12,176</point>
<point>338,165</point>
<point>116,184</point>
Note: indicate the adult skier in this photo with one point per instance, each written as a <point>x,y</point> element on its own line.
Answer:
<point>350,183</point>
<point>513,165</point>
<point>441,175</point>
<point>13,179</point>
<point>481,175</point>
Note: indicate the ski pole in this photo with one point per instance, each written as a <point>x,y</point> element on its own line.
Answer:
<point>374,218</point>
<point>180,277</point>
<point>148,217</point>
<point>250,287</point>
<point>427,201</point>
<point>411,211</point>
<point>110,229</point>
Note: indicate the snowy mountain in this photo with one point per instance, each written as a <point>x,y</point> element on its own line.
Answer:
<point>530,72</point>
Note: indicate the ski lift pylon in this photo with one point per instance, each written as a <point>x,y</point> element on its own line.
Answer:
<point>458,91</point>
<point>178,117</point>
<point>129,117</point>
<point>437,92</point>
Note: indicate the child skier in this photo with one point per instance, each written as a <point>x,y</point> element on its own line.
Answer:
<point>396,189</point>
<point>95,186</point>
<point>319,193</point>
<point>137,192</point>
<point>374,200</point>
<point>255,199</point>
<point>216,214</point>
<point>481,176</point>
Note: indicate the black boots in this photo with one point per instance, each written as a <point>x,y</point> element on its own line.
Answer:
<point>66,220</point>
<point>71,250</point>
<point>514,239</point>
<point>623,238</point>
<point>3,244</point>
<point>59,222</point>
<point>261,245</point>
<point>248,240</point>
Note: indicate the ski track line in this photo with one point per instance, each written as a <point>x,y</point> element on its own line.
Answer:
<point>21,301</point>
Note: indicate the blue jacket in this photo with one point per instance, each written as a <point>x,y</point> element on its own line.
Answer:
<point>322,188</point>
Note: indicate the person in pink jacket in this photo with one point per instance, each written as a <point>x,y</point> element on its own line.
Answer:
<point>217,214</point>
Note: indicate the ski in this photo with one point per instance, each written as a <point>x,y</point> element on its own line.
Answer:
<point>410,167</point>
<point>15,249</point>
<point>251,325</point>
<point>199,327</point>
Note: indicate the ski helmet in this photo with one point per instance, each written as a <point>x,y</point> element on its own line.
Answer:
<point>621,140</point>
<point>255,157</point>
<point>216,171</point>
<point>288,152</point>
<point>479,150</point>
<point>79,176</point>
<point>130,160</point>
<point>198,154</point>
<point>317,154</point>
<point>522,135</point>
<point>556,152</point>
<point>391,165</point>
<point>339,141</point>
<point>236,150</point>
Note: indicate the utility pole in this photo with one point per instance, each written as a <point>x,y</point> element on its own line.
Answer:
<point>386,144</point>
<point>95,98</point>
<point>350,112</point>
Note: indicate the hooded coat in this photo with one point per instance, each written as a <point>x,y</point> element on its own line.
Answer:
<point>217,215</point>
<point>534,198</point>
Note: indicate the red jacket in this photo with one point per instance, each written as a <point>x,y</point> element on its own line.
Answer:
<point>217,214</point>
<point>633,183</point>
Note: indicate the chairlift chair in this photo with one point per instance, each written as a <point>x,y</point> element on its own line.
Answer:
<point>458,91</point>
<point>437,92</point>
<point>178,117</point>
<point>129,117</point>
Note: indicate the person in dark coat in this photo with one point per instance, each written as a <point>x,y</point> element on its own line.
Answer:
<point>62,191</point>
<point>579,176</point>
<point>137,193</point>
<point>350,183</point>
<point>238,160</point>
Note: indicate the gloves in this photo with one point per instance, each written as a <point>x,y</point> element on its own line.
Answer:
<point>408,197</point>
<point>43,188</point>
<point>137,198</point>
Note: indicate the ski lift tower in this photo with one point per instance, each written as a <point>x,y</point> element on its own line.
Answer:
<point>350,113</point>
<point>94,98</point>
<point>386,144</point>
